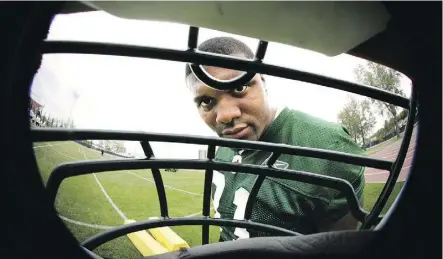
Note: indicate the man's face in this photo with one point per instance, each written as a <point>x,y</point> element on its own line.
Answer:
<point>242,113</point>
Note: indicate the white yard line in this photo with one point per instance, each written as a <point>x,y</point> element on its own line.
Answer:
<point>386,172</point>
<point>84,224</point>
<point>395,154</point>
<point>166,186</point>
<point>98,182</point>
<point>42,146</point>
<point>49,145</point>
<point>122,215</point>
<point>60,153</point>
<point>80,223</point>
<point>193,214</point>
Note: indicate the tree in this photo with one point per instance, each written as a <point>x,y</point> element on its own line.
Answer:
<point>348,118</point>
<point>100,144</point>
<point>119,147</point>
<point>358,119</point>
<point>107,145</point>
<point>43,119</point>
<point>385,78</point>
<point>113,146</point>
<point>71,124</point>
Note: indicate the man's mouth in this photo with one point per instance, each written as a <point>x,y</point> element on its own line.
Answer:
<point>236,132</point>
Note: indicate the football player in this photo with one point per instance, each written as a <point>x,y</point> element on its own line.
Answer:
<point>245,113</point>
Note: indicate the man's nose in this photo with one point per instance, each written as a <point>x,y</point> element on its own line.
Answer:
<point>227,111</point>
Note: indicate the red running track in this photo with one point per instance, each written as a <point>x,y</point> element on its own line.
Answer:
<point>390,152</point>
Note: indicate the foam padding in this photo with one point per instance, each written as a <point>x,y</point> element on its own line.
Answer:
<point>144,242</point>
<point>168,238</point>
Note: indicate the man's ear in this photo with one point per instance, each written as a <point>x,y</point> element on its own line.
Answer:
<point>190,82</point>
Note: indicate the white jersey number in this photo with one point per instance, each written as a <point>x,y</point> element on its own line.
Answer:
<point>240,198</point>
<point>219,181</point>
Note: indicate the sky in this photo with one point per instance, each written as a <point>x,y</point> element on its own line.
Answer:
<point>121,93</point>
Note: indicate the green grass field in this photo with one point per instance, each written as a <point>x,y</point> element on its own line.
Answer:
<point>375,149</point>
<point>81,200</point>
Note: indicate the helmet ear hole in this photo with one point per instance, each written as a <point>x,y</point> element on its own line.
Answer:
<point>264,83</point>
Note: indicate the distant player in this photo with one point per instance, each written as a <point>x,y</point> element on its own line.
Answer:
<point>245,113</point>
<point>102,152</point>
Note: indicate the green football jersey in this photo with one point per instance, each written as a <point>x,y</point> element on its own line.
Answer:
<point>301,207</point>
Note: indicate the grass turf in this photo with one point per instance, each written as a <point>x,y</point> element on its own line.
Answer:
<point>80,198</point>
<point>375,149</point>
<point>133,191</point>
<point>372,192</point>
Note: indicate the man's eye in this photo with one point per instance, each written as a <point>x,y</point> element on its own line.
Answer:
<point>240,89</point>
<point>205,102</point>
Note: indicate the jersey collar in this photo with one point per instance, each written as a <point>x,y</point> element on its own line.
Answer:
<point>279,109</point>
